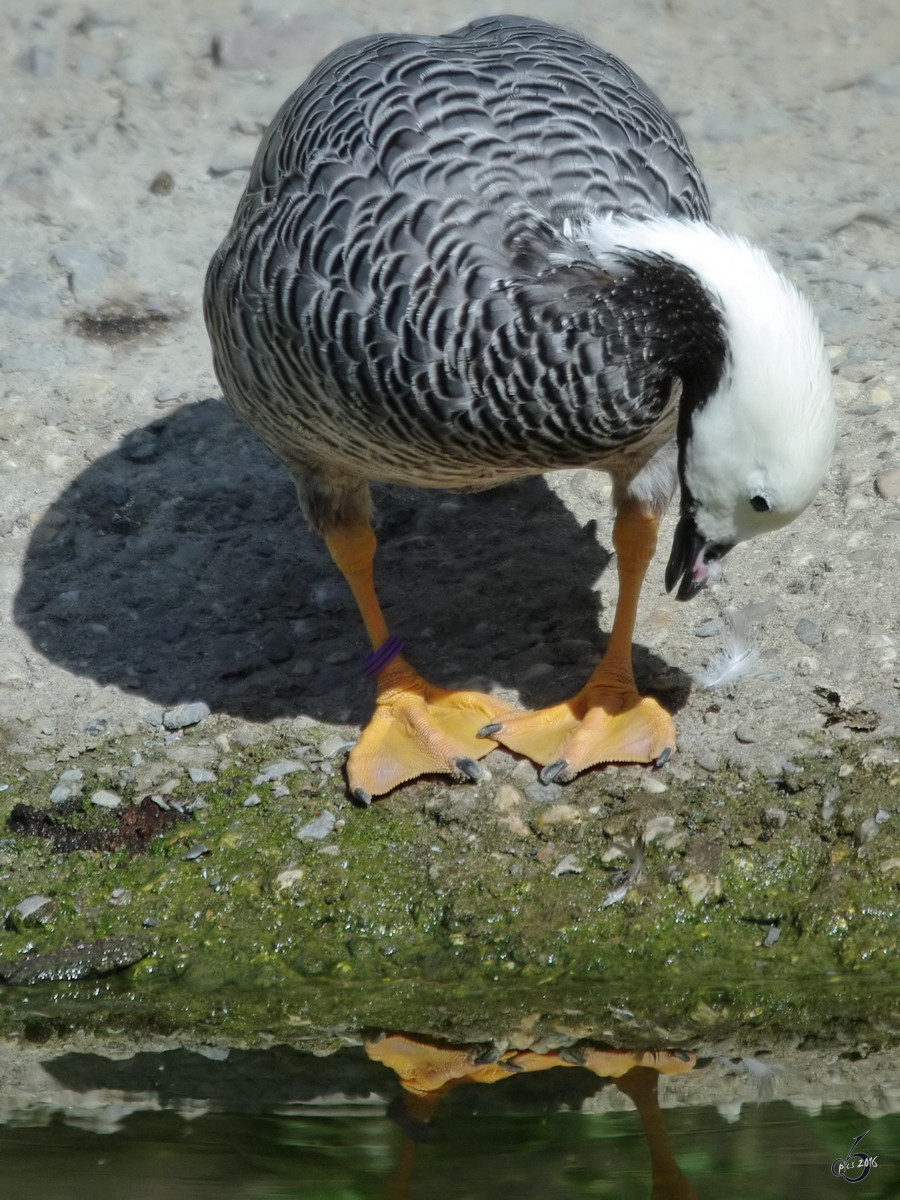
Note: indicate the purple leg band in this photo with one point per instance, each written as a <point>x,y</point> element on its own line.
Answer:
<point>374,663</point>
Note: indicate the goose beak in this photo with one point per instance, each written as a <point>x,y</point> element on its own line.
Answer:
<point>693,560</point>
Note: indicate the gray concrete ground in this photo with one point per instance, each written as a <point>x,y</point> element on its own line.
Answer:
<point>150,551</point>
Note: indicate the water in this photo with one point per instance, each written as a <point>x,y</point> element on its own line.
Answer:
<point>280,1125</point>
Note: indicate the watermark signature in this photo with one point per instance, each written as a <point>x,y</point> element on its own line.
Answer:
<point>856,1166</point>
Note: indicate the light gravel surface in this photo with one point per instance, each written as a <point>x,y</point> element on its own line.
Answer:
<point>151,551</point>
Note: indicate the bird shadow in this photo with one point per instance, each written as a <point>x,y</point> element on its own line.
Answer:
<point>179,566</point>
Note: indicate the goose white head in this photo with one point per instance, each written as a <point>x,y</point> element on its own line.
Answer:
<point>755,451</point>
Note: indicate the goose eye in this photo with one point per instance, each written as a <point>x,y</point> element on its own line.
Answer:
<point>760,503</point>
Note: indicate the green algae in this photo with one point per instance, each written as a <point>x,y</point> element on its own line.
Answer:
<point>433,911</point>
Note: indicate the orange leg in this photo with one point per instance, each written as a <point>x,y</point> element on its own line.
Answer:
<point>669,1183</point>
<point>416,728</point>
<point>607,721</point>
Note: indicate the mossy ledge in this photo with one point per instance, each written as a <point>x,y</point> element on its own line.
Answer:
<point>765,910</point>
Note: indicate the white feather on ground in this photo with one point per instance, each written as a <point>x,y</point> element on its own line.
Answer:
<point>737,656</point>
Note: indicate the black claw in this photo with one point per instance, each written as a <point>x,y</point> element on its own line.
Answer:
<point>362,797</point>
<point>513,1068</point>
<point>573,1055</point>
<point>682,1054</point>
<point>664,757</point>
<point>490,1055</point>
<point>553,771</point>
<point>378,1037</point>
<point>469,767</point>
<point>487,730</point>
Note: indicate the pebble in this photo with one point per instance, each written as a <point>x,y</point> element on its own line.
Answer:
<point>535,671</point>
<point>736,127</point>
<point>162,184</point>
<point>39,61</point>
<point>183,715</point>
<point>523,773</point>
<point>757,611</point>
<point>615,895</point>
<point>711,628</point>
<point>318,829</point>
<point>707,761</point>
<point>285,880</point>
<point>90,66</point>
<point>808,251</point>
<point>105,799</point>
<point>658,827</point>
<point>656,787</point>
<point>772,936</point>
<point>168,395</point>
<point>775,818</point>
<point>567,866</point>
<point>61,793</point>
<point>507,799</point>
<point>196,852</point>
<point>699,886</point>
<point>35,357</point>
<point>516,826</point>
<point>887,484</point>
<point>31,904</point>
<point>336,744</point>
<point>278,770</point>
<point>278,648</point>
<point>233,156</point>
<point>866,830</point>
<point>543,793</point>
<point>24,296</point>
<point>746,734</point>
<point>252,801</point>
<point>153,716</point>
<point>809,632</point>
<point>559,814</point>
<point>828,805</point>
<point>84,267</point>
<point>201,775</point>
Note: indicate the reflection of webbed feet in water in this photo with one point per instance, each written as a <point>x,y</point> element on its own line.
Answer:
<point>429,1070</point>
<point>609,1064</point>
<point>616,1063</point>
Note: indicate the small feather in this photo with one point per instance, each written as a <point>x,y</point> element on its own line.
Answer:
<point>737,657</point>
